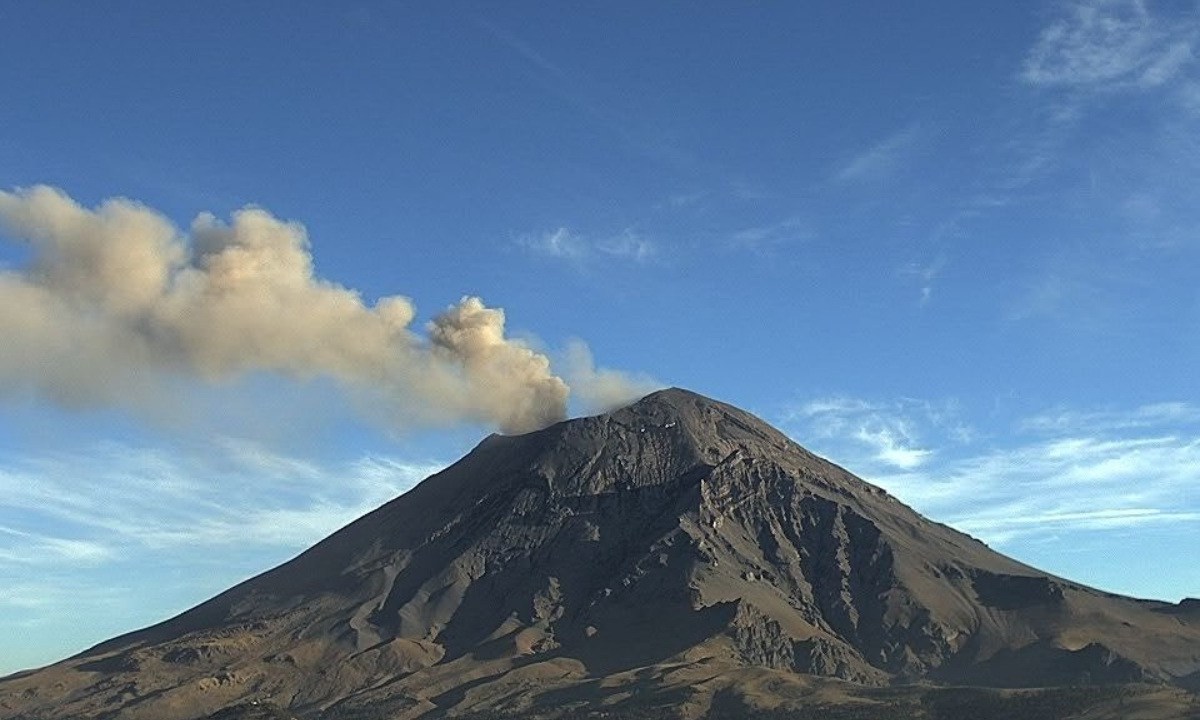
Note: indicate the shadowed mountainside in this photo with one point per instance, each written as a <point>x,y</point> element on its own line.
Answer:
<point>676,549</point>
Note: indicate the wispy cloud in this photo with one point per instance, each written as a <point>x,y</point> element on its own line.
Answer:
<point>1088,54</point>
<point>1103,45</point>
<point>80,527</point>
<point>1054,295</point>
<point>60,593</point>
<point>893,446</point>
<point>764,239</point>
<point>628,244</point>
<point>924,276</point>
<point>1096,51</point>
<point>1082,471</point>
<point>891,432</point>
<point>569,246</point>
<point>237,494</point>
<point>1070,421</point>
<point>560,243</point>
<point>1075,484</point>
<point>879,161</point>
<point>1081,290</point>
<point>28,548</point>
<point>1003,526</point>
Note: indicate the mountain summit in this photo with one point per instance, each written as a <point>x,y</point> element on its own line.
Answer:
<point>675,546</point>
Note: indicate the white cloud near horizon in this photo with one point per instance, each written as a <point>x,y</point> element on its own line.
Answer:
<point>1066,420</point>
<point>131,535</point>
<point>110,502</point>
<point>28,548</point>
<point>1060,471</point>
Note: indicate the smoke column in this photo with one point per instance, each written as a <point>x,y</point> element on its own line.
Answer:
<point>115,300</point>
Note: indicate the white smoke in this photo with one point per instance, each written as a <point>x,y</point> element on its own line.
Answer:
<point>599,388</point>
<point>116,300</point>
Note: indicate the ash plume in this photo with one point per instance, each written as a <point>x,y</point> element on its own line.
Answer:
<point>115,301</point>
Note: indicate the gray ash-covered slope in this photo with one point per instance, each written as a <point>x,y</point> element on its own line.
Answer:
<point>661,547</point>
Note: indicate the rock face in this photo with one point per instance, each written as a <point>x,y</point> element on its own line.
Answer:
<point>661,546</point>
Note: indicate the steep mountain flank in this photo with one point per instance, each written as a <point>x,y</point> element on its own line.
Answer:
<point>655,549</point>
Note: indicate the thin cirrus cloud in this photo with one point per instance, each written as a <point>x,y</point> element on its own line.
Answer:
<point>1067,420</point>
<point>30,597</point>
<point>1087,53</point>
<point>1045,488</point>
<point>1077,471</point>
<point>28,548</point>
<point>233,494</point>
<point>1093,50</point>
<point>889,432</point>
<point>569,246</point>
<point>1111,45</point>
<point>765,239</point>
<point>203,519</point>
<point>924,276</point>
<point>880,160</point>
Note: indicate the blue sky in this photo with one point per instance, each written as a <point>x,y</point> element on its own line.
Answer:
<point>953,247</point>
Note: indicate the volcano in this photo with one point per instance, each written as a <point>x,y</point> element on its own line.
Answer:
<point>677,552</point>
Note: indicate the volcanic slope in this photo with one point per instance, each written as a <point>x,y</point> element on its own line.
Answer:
<point>672,549</point>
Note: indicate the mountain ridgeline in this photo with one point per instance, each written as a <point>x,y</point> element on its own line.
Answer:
<point>678,554</point>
